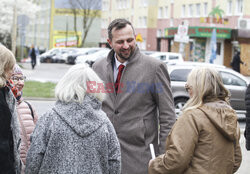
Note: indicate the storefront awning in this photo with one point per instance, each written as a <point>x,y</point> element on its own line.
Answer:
<point>224,33</point>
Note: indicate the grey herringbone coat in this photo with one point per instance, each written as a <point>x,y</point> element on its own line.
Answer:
<point>74,138</point>
<point>144,102</point>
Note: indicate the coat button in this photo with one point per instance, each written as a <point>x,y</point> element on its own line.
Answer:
<point>116,112</point>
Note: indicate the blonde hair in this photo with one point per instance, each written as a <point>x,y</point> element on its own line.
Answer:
<point>207,86</point>
<point>73,85</point>
<point>7,62</point>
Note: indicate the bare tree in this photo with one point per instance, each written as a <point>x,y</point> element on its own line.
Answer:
<point>88,10</point>
<point>10,9</point>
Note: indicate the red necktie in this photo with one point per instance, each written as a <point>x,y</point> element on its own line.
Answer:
<point>117,82</point>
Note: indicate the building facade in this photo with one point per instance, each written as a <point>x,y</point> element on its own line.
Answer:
<point>157,22</point>
<point>141,13</point>
<point>61,23</point>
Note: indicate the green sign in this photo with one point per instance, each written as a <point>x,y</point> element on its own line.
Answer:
<point>224,33</point>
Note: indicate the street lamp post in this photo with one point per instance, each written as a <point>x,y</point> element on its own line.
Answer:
<point>14,29</point>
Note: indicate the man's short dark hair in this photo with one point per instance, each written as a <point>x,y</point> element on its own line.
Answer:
<point>118,24</point>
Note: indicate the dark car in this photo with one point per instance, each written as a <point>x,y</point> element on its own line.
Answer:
<point>233,81</point>
<point>53,56</point>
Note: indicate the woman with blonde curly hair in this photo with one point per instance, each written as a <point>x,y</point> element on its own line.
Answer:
<point>205,138</point>
<point>9,128</point>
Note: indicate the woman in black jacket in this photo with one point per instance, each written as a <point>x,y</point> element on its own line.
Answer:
<point>247,130</point>
<point>9,128</point>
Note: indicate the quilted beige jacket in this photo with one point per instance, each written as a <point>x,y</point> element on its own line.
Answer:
<point>202,141</point>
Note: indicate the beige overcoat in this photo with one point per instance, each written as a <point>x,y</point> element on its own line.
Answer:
<point>144,103</point>
<point>202,141</point>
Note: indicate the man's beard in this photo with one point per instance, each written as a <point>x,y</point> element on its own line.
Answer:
<point>126,58</point>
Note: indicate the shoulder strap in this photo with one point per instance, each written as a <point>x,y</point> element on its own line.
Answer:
<point>31,110</point>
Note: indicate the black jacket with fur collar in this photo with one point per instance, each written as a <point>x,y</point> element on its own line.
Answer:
<point>6,136</point>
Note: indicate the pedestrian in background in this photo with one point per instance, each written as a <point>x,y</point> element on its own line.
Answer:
<point>236,62</point>
<point>33,53</point>
<point>27,116</point>
<point>247,129</point>
<point>75,136</point>
<point>9,128</point>
<point>205,138</point>
<point>139,97</point>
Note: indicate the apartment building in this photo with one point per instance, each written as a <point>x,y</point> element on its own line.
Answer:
<point>142,14</point>
<point>157,22</point>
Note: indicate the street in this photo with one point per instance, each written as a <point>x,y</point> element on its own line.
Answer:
<point>45,72</point>
<point>53,72</point>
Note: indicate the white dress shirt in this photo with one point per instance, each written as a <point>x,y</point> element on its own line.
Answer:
<point>116,67</point>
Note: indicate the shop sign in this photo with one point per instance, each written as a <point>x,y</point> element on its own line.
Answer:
<point>210,20</point>
<point>61,37</point>
<point>224,33</point>
<point>215,17</point>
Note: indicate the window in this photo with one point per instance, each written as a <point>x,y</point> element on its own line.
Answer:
<point>198,11</point>
<point>162,57</point>
<point>190,10</point>
<point>105,5</point>
<point>128,3</point>
<point>172,57</point>
<point>183,11</point>
<point>159,33</point>
<point>171,22</point>
<point>218,48</point>
<point>231,79</point>
<point>229,7</point>
<point>144,21</point>
<point>205,9</point>
<point>144,3</point>
<point>160,12</point>
<point>239,6</point>
<point>179,75</point>
<point>104,23</point>
<point>166,12</point>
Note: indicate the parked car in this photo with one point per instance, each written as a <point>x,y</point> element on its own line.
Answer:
<point>71,59</point>
<point>148,52</point>
<point>62,55</point>
<point>91,58</point>
<point>53,55</point>
<point>168,57</point>
<point>233,81</point>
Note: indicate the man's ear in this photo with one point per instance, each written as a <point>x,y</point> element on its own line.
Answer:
<point>110,42</point>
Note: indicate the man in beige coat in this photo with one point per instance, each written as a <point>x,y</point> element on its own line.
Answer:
<point>140,101</point>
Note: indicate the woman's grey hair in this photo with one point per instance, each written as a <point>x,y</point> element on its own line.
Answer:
<point>207,86</point>
<point>118,24</point>
<point>73,86</point>
<point>7,62</point>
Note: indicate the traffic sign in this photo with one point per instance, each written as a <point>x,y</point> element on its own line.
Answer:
<point>181,38</point>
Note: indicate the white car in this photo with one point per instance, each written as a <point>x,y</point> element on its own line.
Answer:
<point>168,57</point>
<point>91,58</point>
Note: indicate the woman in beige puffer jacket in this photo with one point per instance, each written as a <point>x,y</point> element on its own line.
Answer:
<point>27,116</point>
